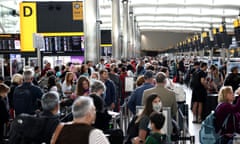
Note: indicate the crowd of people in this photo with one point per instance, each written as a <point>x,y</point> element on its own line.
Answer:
<point>93,90</point>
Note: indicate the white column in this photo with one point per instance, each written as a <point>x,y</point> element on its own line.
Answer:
<point>130,30</point>
<point>125,29</point>
<point>116,51</point>
<point>90,30</point>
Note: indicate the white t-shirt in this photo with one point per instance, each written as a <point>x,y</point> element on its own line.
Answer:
<point>130,73</point>
<point>54,88</point>
<point>66,88</point>
<point>96,136</point>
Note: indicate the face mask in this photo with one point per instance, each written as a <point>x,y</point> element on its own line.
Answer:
<point>157,106</point>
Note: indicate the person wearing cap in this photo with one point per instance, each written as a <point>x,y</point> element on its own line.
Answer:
<point>167,96</point>
<point>136,96</point>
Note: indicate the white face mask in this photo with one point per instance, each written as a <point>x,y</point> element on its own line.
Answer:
<point>157,106</point>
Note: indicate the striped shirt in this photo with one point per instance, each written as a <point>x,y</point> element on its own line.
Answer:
<point>97,137</point>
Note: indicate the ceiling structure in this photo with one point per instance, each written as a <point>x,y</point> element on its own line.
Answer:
<point>151,15</point>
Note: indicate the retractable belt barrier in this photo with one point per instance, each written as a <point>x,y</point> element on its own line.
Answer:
<point>115,117</point>
<point>125,116</point>
<point>185,135</point>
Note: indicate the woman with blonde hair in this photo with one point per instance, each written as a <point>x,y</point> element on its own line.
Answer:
<point>17,79</point>
<point>68,85</point>
<point>140,81</point>
<point>226,109</point>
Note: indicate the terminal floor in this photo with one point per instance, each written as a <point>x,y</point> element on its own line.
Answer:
<point>193,128</point>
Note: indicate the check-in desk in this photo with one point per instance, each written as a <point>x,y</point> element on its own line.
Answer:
<point>210,104</point>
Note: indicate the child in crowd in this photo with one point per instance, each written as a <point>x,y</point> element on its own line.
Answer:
<point>157,136</point>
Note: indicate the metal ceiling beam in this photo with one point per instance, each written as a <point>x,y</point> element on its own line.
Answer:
<point>178,15</point>
<point>144,5</point>
<point>170,21</point>
<point>162,30</point>
<point>185,15</point>
<point>229,6</point>
<point>172,26</point>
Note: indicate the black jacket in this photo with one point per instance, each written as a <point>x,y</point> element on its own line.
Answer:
<point>52,123</point>
<point>25,98</point>
<point>102,116</point>
<point>232,80</point>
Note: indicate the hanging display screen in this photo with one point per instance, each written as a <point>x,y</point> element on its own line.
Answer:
<point>106,37</point>
<point>10,42</point>
<point>55,17</point>
<point>106,51</point>
<point>63,44</point>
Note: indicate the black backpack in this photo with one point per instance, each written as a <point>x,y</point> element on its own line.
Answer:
<point>25,101</point>
<point>115,136</point>
<point>28,129</point>
<point>132,130</point>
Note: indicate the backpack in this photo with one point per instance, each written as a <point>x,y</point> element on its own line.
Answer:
<point>24,101</point>
<point>115,136</point>
<point>132,130</point>
<point>207,133</point>
<point>194,79</point>
<point>28,129</point>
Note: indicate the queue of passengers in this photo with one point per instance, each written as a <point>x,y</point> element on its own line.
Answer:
<point>105,83</point>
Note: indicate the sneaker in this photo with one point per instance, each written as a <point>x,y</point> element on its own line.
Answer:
<point>199,121</point>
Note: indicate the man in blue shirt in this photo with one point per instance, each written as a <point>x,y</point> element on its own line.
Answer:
<point>110,93</point>
<point>136,96</point>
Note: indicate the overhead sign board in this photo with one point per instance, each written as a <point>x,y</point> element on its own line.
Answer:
<point>77,10</point>
<point>27,25</point>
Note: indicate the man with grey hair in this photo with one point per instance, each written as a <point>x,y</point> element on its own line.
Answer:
<point>167,96</point>
<point>50,105</point>
<point>26,95</point>
<point>80,129</point>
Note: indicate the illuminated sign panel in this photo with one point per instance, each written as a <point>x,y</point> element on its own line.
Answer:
<point>27,25</point>
<point>77,9</point>
<point>10,42</point>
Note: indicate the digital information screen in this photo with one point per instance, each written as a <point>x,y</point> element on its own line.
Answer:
<point>10,42</point>
<point>237,34</point>
<point>17,63</point>
<point>64,44</point>
<point>106,51</point>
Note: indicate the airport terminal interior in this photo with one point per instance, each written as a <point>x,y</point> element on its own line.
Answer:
<point>157,72</point>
